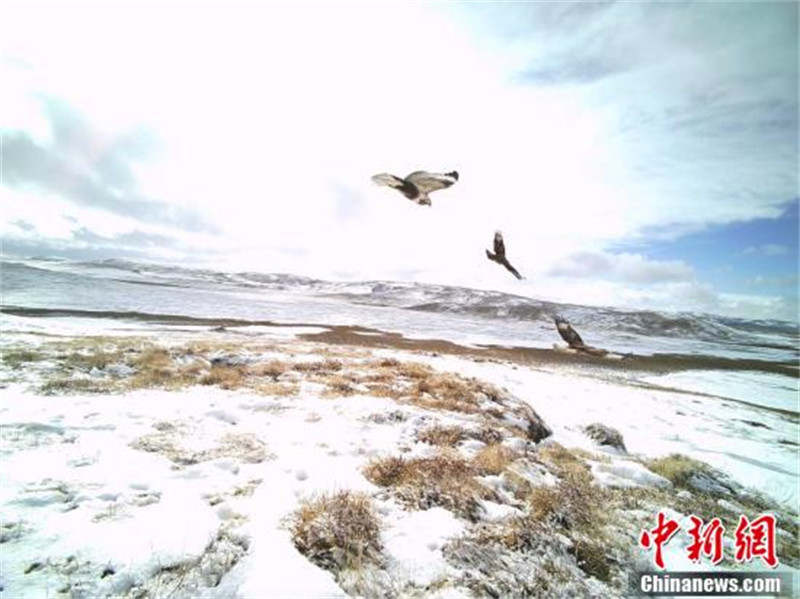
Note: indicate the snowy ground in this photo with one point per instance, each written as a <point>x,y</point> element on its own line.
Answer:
<point>190,492</point>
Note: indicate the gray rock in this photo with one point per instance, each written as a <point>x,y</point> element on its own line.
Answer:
<point>537,428</point>
<point>715,482</point>
<point>231,360</point>
<point>605,435</point>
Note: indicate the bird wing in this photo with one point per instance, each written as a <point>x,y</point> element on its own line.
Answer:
<point>388,180</point>
<point>499,246</point>
<point>512,269</point>
<point>428,182</point>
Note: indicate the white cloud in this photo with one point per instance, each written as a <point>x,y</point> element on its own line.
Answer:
<point>625,267</point>
<point>769,249</point>
<point>270,123</point>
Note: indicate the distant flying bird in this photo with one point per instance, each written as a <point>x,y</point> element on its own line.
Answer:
<point>418,184</point>
<point>499,255</point>
<point>569,334</point>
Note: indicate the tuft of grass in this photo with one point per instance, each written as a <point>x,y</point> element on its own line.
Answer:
<point>227,377</point>
<point>387,472</point>
<point>175,444</point>
<point>244,446</point>
<point>272,369</point>
<point>445,392</point>
<point>442,436</point>
<point>88,360</point>
<point>677,468</point>
<point>494,459</point>
<point>389,363</point>
<point>589,455</point>
<point>448,391</point>
<point>338,385</point>
<point>319,366</point>
<point>413,370</point>
<point>154,368</point>
<point>560,459</point>
<point>277,389</point>
<point>382,390</point>
<point>381,376</point>
<point>58,386</point>
<point>574,502</point>
<point>445,479</point>
<point>338,532</point>
<point>591,557</point>
<point>16,358</point>
<point>573,508</point>
<point>518,533</point>
<point>488,435</point>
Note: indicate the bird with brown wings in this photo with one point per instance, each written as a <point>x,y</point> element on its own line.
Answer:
<point>574,340</point>
<point>569,334</point>
<point>499,254</point>
<point>418,184</point>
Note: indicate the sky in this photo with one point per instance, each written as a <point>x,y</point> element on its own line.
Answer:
<point>634,154</point>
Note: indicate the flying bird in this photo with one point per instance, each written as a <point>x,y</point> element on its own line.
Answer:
<point>575,342</point>
<point>499,255</point>
<point>418,184</point>
<point>569,334</point>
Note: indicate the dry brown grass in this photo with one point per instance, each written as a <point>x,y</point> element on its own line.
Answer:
<point>389,363</point>
<point>381,390</point>
<point>152,358</point>
<point>495,413</point>
<point>226,377</point>
<point>494,459</point>
<point>590,455</point>
<point>560,459</point>
<point>382,375</point>
<point>445,480</point>
<point>272,369</point>
<point>519,484</point>
<point>488,435</point>
<point>205,347</point>
<point>339,386</point>
<point>574,507</point>
<point>442,436</point>
<point>412,370</point>
<point>319,366</point>
<point>155,368</point>
<point>591,555</point>
<point>88,360</point>
<point>445,392</point>
<point>338,532</point>
<point>58,386</point>
<point>677,468</point>
<point>19,357</point>
<point>176,443</point>
<point>573,503</point>
<point>244,446</point>
<point>277,389</point>
<point>387,472</point>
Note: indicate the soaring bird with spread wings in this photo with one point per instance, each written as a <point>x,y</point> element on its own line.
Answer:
<point>418,184</point>
<point>499,255</point>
